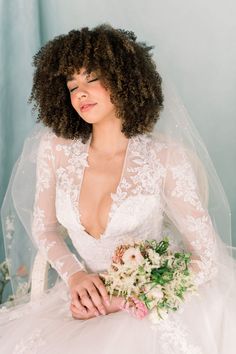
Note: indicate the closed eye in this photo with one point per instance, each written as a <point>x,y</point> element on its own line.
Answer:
<point>93,80</point>
<point>74,88</point>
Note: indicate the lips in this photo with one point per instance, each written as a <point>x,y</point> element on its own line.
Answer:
<point>87,106</point>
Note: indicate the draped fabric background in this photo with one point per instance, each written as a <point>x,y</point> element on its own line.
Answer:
<point>194,43</point>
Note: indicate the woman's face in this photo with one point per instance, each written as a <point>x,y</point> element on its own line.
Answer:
<point>89,97</point>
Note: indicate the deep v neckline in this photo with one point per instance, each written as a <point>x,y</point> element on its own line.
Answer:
<point>112,195</point>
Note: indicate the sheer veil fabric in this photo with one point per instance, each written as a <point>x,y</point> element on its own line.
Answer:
<point>174,128</point>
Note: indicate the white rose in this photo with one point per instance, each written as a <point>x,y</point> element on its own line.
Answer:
<point>132,257</point>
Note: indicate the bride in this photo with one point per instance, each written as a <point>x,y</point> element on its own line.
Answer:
<point>106,173</point>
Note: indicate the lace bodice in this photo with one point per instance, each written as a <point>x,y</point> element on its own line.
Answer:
<point>157,180</point>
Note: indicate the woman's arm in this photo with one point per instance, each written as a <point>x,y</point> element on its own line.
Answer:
<point>46,233</point>
<point>184,207</point>
<point>45,227</point>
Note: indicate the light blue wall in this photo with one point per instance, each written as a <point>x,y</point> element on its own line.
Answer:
<point>19,39</point>
<point>195,44</point>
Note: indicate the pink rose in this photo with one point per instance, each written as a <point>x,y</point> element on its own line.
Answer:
<point>135,307</point>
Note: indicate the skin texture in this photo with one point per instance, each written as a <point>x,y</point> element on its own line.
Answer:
<point>87,88</point>
<point>97,304</point>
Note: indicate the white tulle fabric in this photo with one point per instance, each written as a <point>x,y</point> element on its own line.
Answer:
<point>157,179</point>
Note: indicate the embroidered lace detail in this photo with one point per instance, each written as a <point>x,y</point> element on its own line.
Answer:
<point>30,344</point>
<point>186,210</point>
<point>45,226</point>
<point>175,338</point>
<point>157,179</point>
<point>45,174</point>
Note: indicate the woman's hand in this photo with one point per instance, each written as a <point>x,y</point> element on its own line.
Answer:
<point>116,304</point>
<point>89,296</point>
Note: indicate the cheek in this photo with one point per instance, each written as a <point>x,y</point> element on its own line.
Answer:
<point>103,92</point>
<point>73,101</point>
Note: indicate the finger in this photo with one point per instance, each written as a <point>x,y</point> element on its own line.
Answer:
<point>86,301</point>
<point>81,310</point>
<point>76,313</point>
<point>103,291</point>
<point>82,317</point>
<point>96,299</point>
<point>76,302</point>
<point>79,315</point>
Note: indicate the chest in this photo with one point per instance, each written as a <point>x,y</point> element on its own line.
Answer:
<point>99,191</point>
<point>99,181</point>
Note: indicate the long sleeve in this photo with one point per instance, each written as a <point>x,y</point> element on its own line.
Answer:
<point>184,207</point>
<point>45,226</point>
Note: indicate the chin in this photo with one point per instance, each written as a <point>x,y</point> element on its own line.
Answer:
<point>91,120</point>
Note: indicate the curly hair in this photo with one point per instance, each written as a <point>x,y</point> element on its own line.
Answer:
<point>125,67</point>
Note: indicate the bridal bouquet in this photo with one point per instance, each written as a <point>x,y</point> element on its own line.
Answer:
<point>152,279</point>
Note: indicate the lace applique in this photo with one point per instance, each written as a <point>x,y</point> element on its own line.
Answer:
<point>64,181</point>
<point>30,344</point>
<point>77,157</point>
<point>119,196</point>
<point>188,213</point>
<point>39,216</point>
<point>138,205</point>
<point>175,338</point>
<point>45,151</point>
<point>144,172</point>
<point>45,226</point>
<point>69,177</point>
<point>186,183</point>
<point>147,170</point>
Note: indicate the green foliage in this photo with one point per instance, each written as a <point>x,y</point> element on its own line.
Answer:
<point>162,246</point>
<point>162,275</point>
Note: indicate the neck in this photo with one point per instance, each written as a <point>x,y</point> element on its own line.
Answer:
<point>107,137</point>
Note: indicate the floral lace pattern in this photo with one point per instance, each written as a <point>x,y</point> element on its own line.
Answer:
<point>151,185</point>
<point>190,216</point>
<point>30,344</point>
<point>174,338</point>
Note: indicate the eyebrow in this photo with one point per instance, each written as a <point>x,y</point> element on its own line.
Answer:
<point>71,77</point>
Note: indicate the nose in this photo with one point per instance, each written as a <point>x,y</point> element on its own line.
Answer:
<point>81,93</point>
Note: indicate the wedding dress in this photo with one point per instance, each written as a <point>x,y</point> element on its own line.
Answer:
<point>151,186</point>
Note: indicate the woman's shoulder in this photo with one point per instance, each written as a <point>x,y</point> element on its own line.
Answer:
<point>57,143</point>
<point>160,143</point>
<point>173,153</point>
<point>55,147</point>
<point>49,136</point>
<point>165,148</point>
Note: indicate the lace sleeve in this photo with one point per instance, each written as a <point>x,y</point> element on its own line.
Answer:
<point>184,207</point>
<point>45,227</point>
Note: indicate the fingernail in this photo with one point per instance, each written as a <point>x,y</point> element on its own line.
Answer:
<point>97,314</point>
<point>103,312</point>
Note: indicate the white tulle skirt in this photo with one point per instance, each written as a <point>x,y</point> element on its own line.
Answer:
<point>203,325</point>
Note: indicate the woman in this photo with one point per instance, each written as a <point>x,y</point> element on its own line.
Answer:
<point>105,177</point>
